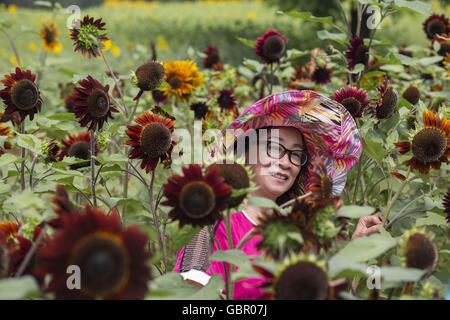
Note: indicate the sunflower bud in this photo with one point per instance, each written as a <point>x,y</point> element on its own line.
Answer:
<point>412,94</point>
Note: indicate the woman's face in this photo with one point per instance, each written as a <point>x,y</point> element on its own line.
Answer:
<point>266,167</point>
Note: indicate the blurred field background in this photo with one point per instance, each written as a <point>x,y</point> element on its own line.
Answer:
<point>178,30</point>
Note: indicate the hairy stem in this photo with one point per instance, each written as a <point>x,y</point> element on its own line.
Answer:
<point>94,197</point>
<point>156,220</point>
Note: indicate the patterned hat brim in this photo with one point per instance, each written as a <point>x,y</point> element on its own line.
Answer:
<point>329,130</point>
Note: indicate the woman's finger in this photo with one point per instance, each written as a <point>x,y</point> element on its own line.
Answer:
<point>370,221</point>
<point>373,229</point>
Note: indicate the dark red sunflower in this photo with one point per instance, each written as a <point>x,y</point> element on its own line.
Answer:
<point>446,204</point>
<point>271,46</point>
<point>227,101</point>
<point>353,99</point>
<point>21,94</point>
<point>386,105</point>
<point>196,199</point>
<point>92,103</point>
<point>148,77</point>
<point>112,258</point>
<point>69,102</point>
<point>200,110</point>
<point>436,25</point>
<point>212,59</point>
<point>321,183</point>
<point>357,52</point>
<point>78,146</point>
<point>87,37</point>
<point>430,146</point>
<point>159,96</point>
<point>151,140</point>
<point>321,75</point>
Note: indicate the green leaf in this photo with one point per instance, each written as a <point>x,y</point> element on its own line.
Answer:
<point>113,202</point>
<point>63,116</point>
<point>338,37</point>
<point>294,53</point>
<point>340,267</point>
<point>307,16</point>
<point>113,158</point>
<point>398,274</point>
<point>408,61</point>
<point>365,248</point>
<point>7,158</point>
<point>262,202</point>
<point>430,60</point>
<point>30,142</point>
<point>232,256</point>
<point>297,236</point>
<point>417,6</point>
<point>17,288</point>
<point>253,65</point>
<point>247,42</point>
<point>211,290</point>
<point>354,212</point>
<point>432,219</point>
<point>374,150</point>
<point>356,69</point>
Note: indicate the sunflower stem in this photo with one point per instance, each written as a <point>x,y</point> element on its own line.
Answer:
<point>397,194</point>
<point>271,78</point>
<point>225,270</point>
<point>22,155</point>
<point>30,253</point>
<point>116,82</point>
<point>349,29</point>
<point>156,220</point>
<point>13,46</point>
<point>358,176</point>
<point>94,197</point>
<point>32,169</point>
<point>290,202</point>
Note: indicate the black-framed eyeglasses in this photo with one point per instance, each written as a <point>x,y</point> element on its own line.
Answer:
<point>277,151</point>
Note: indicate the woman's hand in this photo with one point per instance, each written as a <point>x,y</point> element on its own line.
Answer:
<point>368,225</point>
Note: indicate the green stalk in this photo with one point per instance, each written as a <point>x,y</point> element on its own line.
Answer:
<point>230,246</point>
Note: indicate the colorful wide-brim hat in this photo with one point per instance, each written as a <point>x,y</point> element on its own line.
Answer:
<point>329,130</point>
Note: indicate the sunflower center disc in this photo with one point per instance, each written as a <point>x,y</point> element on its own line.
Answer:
<point>49,36</point>
<point>214,58</point>
<point>436,27</point>
<point>175,83</point>
<point>352,105</point>
<point>150,75</point>
<point>25,94</point>
<point>327,186</point>
<point>104,264</point>
<point>98,103</point>
<point>387,108</point>
<point>80,150</point>
<point>197,199</point>
<point>273,47</point>
<point>155,139</point>
<point>429,145</point>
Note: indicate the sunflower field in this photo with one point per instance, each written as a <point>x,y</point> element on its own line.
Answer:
<point>109,115</point>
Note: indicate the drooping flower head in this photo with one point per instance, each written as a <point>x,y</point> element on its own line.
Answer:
<point>212,59</point>
<point>200,109</point>
<point>430,146</point>
<point>151,139</point>
<point>412,94</point>
<point>298,277</point>
<point>357,52</point>
<point>196,198</point>
<point>227,101</point>
<point>436,25</point>
<point>321,75</point>
<point>183,78</point>
<point>418,250</point>
<point>353,99</point>
<point>78,146</point>
<point>92,104</point>
<point>48,36</point>
<point>271,46</point>
<point>87,37</point>
<point>386,105</point>
<point>148,77</point>
<point>21,94</point>
<point>112,258</point>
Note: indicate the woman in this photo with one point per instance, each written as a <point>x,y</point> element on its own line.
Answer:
<point>302,126</point>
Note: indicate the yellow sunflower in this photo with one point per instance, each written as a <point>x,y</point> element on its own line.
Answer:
<point>182,78</point>
<point>48,36</point>
<point>4,131</point>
